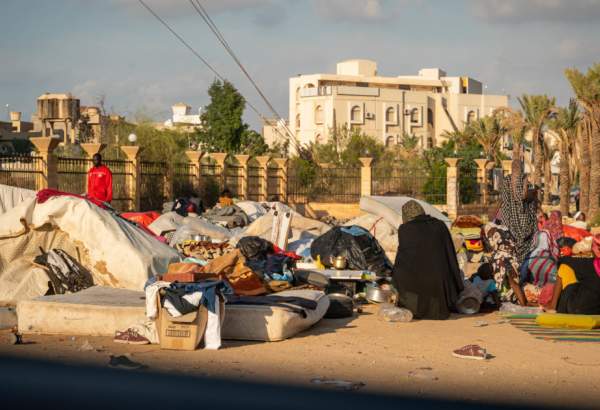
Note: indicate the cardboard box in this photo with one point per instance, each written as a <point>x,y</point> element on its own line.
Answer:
<point>183,332</point>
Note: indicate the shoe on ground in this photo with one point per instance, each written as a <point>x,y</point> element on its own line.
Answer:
<point>130,336</point>
<point>474,352</point>
<point>123,362</point>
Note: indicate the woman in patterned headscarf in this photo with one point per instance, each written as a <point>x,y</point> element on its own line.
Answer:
<point>518,209</point>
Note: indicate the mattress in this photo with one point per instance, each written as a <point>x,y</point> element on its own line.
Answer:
<point>272,323</point>
<point>100,311</point>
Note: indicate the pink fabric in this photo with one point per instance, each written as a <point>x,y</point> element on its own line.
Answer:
<point>554,225</point>
<point>597,266</point>
<point>546,294</point>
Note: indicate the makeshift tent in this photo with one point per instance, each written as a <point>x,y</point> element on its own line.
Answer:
<point>390,208</point>
<point>117,253</point>
<point>11,196</point>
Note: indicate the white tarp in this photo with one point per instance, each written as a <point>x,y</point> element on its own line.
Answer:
<point>117,253</point>
<point>11,196</point>
<point>390,208</point>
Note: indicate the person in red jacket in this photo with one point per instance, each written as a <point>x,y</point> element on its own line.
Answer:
<point>99,181</point>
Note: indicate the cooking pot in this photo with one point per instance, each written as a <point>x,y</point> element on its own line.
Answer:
<point>375,294</point>
<point>340,262</point>
<point>200,238</point>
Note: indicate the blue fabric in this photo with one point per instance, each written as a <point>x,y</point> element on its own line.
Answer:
<point>354,230</point>
<point>209,291</point>
<point>197,261</point>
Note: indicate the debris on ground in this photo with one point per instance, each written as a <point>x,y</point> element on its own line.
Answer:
<point>423,373</point>
<point>338,384</point>
<point>123,362</point>
<point>474,352</point>
<point>480,323</point>
<point>86,347</point>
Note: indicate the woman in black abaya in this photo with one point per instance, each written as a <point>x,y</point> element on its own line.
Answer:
<point>426,272</point>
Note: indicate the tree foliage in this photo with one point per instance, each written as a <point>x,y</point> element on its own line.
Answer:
<point>223,128</point>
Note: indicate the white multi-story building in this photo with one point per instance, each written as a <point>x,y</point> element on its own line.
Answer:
<point>425,105</point>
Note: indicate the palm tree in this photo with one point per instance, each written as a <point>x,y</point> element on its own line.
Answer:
<point>587,89</point>
<point>565,124</point>
<point>488,132</point>
<point>549,150</point>
<point>537,110</point>
<point>516,127</point>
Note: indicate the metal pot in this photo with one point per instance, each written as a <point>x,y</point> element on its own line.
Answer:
<point>340,262</point>
<point>377,295</point>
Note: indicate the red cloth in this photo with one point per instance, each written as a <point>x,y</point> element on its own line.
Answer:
<point>575,233</point>
<point>45,194</point>
<point>290,255</point>
<point>100,183</point>
<point>141,218</point>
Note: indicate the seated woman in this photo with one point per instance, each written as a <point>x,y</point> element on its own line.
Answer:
<point>578,284</point>
<point>426,272</point>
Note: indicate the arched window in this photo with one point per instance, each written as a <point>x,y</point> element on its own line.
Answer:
<point>297,120</point>
<point>318,114</point>
<point>390,115</point>
<point>429,116</point>
<point>389,141</point>
<point>355,114</point>
<point>471,117</point>
<point>297,92</point>
<point>318,139</point>
<point>414,115</point>
<point>309,85</point>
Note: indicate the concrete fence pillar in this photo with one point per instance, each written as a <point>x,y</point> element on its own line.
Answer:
<point>482,178</point>
<point>220,158</point>
<point>92,149</point>
<point>282,167</point>
<point>263,163</point>
<point>195,157</point>
<point>133,181</point>
<point>452,187</point>
<point>243,159</point>
<point>365,176</point>
<point>48,171</point>
<point>507,166</point>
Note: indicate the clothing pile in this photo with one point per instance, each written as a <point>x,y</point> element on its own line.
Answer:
<point>229,217</point>
<point>203,250</point>
<point>65,273</point>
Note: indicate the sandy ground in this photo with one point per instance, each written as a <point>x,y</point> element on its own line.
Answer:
<point>400,358</point>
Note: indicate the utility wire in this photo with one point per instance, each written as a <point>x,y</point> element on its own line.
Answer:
<point>190,48</point>
<point>215,30</point>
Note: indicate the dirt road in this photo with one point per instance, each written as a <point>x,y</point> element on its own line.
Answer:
<point>400,358</point>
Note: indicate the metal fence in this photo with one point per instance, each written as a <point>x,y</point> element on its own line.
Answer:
<point>273,183</point>
<point>336,184</point>
<point>255,182</point>
<point>233,179</point>
<point>72,177</point>
<point>152,185</point>
<point>416,182</point>
<point>20,170</point>
<point>183,179</point>
<point>210,173</point>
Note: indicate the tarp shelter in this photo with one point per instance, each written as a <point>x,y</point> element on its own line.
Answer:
<point>11,196</point>
<point>390,208</point>
<point>117,253</point>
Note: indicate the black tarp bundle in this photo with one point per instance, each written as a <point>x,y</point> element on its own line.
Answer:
<point>356,244</point>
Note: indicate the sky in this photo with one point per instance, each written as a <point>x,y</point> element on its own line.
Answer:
<point>116,50</point>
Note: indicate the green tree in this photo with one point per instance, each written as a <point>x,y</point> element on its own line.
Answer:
<point>253,143</point>
<point>222,125</point>
<point>586,87</point>
<point>565,124</point>
<point>537,110</point>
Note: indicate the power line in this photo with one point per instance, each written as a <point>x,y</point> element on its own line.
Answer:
<point>215,30</point>
<point>190,48</point>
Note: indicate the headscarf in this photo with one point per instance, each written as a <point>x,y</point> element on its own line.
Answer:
<point>411,210</point>
<point>518,216</point>
<point>554,225</point>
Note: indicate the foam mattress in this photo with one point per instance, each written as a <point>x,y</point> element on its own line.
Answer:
<point>99,311</point>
